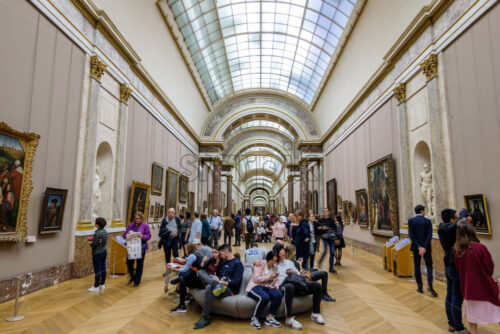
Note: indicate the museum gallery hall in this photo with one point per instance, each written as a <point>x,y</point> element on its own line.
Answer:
<point>233,165</point>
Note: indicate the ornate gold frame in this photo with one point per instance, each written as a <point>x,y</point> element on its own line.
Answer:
<point>346,214</point>
<point>485,206</point>
<point>167,206</point>
<point>153,190</point>
<point>184,199</point>
<point>362,193</point>
<point>29,143</point>
<point>392,192</point>
<point>131,199</point>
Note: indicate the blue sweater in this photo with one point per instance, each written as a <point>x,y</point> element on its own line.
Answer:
<point>233,271</point>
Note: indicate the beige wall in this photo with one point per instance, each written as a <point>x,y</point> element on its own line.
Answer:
<point>472,74</point>
<point>376,138</point>
<point>149,141</point>
<point>368,43</point>
<point>143,26</point>
<point>41,75</point>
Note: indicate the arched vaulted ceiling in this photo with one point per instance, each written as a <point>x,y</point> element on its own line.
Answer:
<point>238,45</point>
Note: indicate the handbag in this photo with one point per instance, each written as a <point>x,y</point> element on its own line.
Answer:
<point>330,235</point>
<point>298,281</point>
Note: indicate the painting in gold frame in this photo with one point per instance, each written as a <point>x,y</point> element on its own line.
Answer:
<point>190,204</point>
<point>362,207</point>
<point>156,179</point>
<point>172,193</point>
<point>138,200</point>
<point>353,213</point>
<point>339,206</point>
<point>183,188</point>
<point>17,150</point>
<point>346,215</point>
<point>478,208</point>
<point>331,196</point>
<point>382,197</point>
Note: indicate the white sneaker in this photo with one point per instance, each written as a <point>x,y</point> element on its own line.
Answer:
<point>293,323</point>
<point>94,289</point>
<point>316,317</point>
<point>102,287</point>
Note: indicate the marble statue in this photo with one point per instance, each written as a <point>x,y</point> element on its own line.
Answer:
<point>425,181</point>
<point>96,189</point>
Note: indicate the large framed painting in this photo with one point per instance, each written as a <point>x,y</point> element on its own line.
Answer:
<point>156,179</point>
<point>331,196</point>
<point>52,216</point>
<point>171,196</point>
<point>362,208</point>
<point>138,200</point>
<point>17,150</point>
<point>183,189</point>
<point>191,202</point>
<point>382,197</point>
<point>478,208</point>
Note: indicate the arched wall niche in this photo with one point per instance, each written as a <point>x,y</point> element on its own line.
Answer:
<point>421,156</point>
<point>103,180</point>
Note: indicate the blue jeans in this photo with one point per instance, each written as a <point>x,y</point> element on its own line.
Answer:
<point>328,244</point>
<point>227,235</point>
<point>99,262</point>
<point>454,299</point>
<point>237,235</point>
<point>263,295</point>
<point>428,263</point>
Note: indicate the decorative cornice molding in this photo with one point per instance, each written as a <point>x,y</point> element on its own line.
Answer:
<point>97,68</point>
<point>173,27</point>
<point>125,92</point>
<point>430,67</point>
<point>400,92</point>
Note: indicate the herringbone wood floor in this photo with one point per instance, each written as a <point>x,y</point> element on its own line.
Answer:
<point>369,300</point>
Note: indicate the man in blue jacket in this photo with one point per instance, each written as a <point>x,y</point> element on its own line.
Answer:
<point>420,231</point>
<point>226,283</point>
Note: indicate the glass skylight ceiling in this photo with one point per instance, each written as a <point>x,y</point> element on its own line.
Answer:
<point>265,163</point>
<point>238,44</point>
<point>261,123</point>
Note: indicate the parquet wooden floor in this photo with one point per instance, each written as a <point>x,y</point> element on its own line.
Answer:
<point>369,300</point>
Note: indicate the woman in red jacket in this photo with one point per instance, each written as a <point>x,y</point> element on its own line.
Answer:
<point>475,269</point>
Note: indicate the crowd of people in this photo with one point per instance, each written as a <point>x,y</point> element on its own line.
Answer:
<point>468,267</point>
<point>288,268</point>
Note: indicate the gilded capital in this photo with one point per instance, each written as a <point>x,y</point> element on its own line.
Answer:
<point>217,161</point>
<point>304,162</point>
<point>125,92</point>
<point>430,66</point>
<point>290,177</point>
<point>97,68</point>
<point>400,92</point>
<point>229,177</point>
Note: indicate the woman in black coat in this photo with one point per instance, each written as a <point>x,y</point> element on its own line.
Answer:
<point>340,243</point>
<point>302,239</point>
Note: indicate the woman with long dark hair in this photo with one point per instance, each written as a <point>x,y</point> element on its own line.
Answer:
<point>339,243</point>
<point>475,269</point>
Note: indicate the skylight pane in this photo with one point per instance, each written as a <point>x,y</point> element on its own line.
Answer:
<point>239,44</point>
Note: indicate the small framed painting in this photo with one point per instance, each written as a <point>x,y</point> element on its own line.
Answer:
<point>478,208</point>
<point>54,201</point>
<point>361,207</point>
<point>156,179</point>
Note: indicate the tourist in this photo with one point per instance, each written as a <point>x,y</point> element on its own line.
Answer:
<point>142,229</point>
<point>215,228</point>
<point>339,243</point>
<point>475,269</point>
<point>447,232</point>
<point>228,229</point>
<point>261,232</point>
<point>464,213</point>
<point>302,238</point>
<point>237,229</point>
<point>196,226</point>
<point>188,277</point>
<point>169,235</point>
<point>264,287</point>
<point>316,275</point>
<point>254,254</point>
<point>184,232</point>
<point>99,253</point>
<point>285,268</point>
<point>328,230</point>
<point>312,245</point>
<point>279,229</point>
<point>230,272</point>
<point>269,231</point>
<point>250,226</point>
<point>292,229</point>
<point>205,230</point>
<point>420,231</point>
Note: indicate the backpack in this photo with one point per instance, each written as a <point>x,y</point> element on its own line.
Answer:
<point>250,228</point>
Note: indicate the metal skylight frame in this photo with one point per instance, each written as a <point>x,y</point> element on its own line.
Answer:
<point>238,44</point>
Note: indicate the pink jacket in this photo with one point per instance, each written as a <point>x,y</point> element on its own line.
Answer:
<point>259,276</point>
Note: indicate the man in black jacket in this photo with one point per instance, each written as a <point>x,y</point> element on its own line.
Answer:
<point>169,234</point>
<point>447,232</point>
<point>420,231</point>
<point>324,224</point>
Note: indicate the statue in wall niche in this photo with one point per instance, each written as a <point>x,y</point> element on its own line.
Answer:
<point>425,181</point>
<point>96,188</point>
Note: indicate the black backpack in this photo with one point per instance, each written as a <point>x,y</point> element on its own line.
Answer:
<point>250,228</point>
